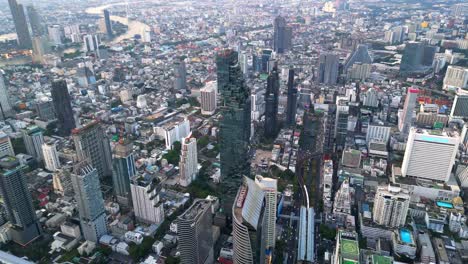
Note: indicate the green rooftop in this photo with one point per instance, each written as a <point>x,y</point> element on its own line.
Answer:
<point>349,261</point>
<point>377,259</point>
<point>349,247</point>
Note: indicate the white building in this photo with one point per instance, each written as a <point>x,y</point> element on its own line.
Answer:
<point>429,155</point>
<point>51,159</point>
<point>188,165</point>
<point>390,206</point>
<point>378,132</point>
<point>174,130</point>
<point>146,203</point>
<point>90,43</point>
<point>4,100</point>
<point>456,78</point>
<point>33,140</point>
<point>6,148</point>
<point>55,34</point>
<point>371,98</point>
<point>405,120</point>
<point>208,98</point>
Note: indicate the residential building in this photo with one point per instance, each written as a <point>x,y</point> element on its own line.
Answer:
<point>147,205</point>
<point>455,78</point>
<point>188,165</point>
<point>328,68</point>
<point>123,169</point>
<point>180,74</point>
<point>390,206</point>
<point>6,148</point>
<point>5,106</point>
<point>51,159</point>
<point>33,140</point>
<point>208,98</point>
<point>405,120</point>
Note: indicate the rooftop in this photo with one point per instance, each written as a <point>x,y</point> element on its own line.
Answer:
<point>196,209</point>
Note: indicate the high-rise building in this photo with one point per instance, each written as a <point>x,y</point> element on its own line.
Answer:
<point>342,202</point>
<point>37,28</point>
<point>360,55</point>
<point>390,206</point>
<point>378,132</point>
<point>188,165</point>
<point>6,148</point>
<point>271,103</point>
<point>40,48</point>
<point>394,35</point>
<point>173,130</point>
<point>5,106</point>
<point>235,124</point>
<point>62,183</point>
<point>359,71</point>
<point>45,109</point>
<point>417,57</point>
<point>123,165</point>
<point>291,100</point>
<point>460,106</point>
<point>456,78</point>
<point>88,196</point>
<point>62,106</point>
<point>282,35</point>
<point>347,247</point>
<point>341,125</point>
<point>405,120</point>
<point>328,68</point>
<point>254,216</point>
<point>108,23</point>
<point>55,34</point>
<point>147,205</point>
<point>208,98</point>
<point>194,229</point>
<point>33,140</point>
<point>18,202</point>
<point>91,43</point>
<point>371,98</point>
<point>51,159</point>
<point>92,144</point>
<point>21,25</point>
<point>430,154</point>
<point>180,74</point>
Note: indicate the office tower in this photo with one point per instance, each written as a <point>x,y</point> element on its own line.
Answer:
<point>51,159</point>
<point>347,247</point>
<point>33,140</point>
<point>456,78</point>
<point>6,148</point>
<point>360,55</point>
<point>405,120</point>
<point>208,98</point>
<point>271,104</point>
<point>18,202</point>
<point>342,201</point>
<point>123,165</point>
<point>62,106</point>
<point>244,62</point>
<point>341,125</point>
<point>291,100</point>
<point>378,132</point>
<point>91,43</point>
<point>371,98</point>
<point>92,144</point>
<point>108,23</point>
<point>430,154</point>
<point>188,165</point>
<point>282,35</point>
<point>55,34</point>
<point>309,157</point>
<point>328,68</point>
<point>417,58</point>
<point>234,134</point>
<point>460,106</point>
<point>37,28</point>
<point>21,26</point>
<point>253,220</point>
<point>394,35</point>
<point>145,198</point>
<point>45,109</point>
<point>5,106</point>
<point>180,74</point>
<point>40,48</point>
<point>260,60</point>
<point>359,71</point>
<point>88,196</point>
<point>390,206</point>
<point>194,229</point>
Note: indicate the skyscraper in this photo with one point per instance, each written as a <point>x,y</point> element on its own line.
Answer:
<point>147,205</point>
<point>18,202</point>
<point>234,125</point>
<point>271,104</point>
<point>292,99</point>
<point>360,55</point>
<point>430,154</point>
<point>194,229</point>
<point>51,159</point>
<point>108,23</point>
<point>88,196</point>
<point>6,148</point>
<point>33,140</point>
<point>37,28</point>
<point>417,58</point>
<point>328,68</point>
<point>123,165</point>
<point>21,26</point>
<point>390,206</point>
<point>460,106</point>
<point>62,105</point>
<point>254,216</point>
<point>208,98</point>
<point>188,165</point>
<point>55,34</point>
<point>180,74</point>
<point>405,119</point>
<point>92,144</point>
<point>5,106</point>
<point>282,35</point>
<point>455,78</point>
